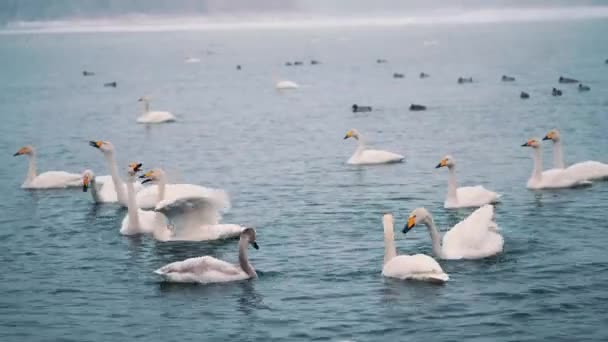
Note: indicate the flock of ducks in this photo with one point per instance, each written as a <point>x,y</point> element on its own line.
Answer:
<point>189,212</point>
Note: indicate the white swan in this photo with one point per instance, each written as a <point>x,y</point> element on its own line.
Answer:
<point>149,117</point>
<point>550,179</point>
<point>45,180</point>
<point>102,187</point>
<point>138,221</point>
<point>587,170</point>
<point>150,196</point>
<point>464,196</point>
<point>285,84</point>
<point>416,267</point>
<point>475,237</point>
<point>196,210</point>
<point>208,269</point>
<point>363,156</point>
<point>119,186</point>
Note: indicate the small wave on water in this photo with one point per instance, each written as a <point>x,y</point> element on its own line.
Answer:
<point>146,23</point>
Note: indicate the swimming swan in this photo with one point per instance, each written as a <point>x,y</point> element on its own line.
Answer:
<point>285,84</point>
<point>475,237</point>
<point>153,116</point>
<point>416,267</point>
<point>45,180</point>
<point>587,170</point>
<point>550,179</point>
<point>138,221</point>
<point>464,196</point>
<point>119,186</point>
<point>363,156</point>
<point>102,188</point>
<point>208,269</point>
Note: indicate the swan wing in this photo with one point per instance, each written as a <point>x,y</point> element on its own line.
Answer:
<point>474,196</point>
<point>147,198</point>
<point>475,237</point>
<point>375,157</point>
<point>417,267</point>
<point>148,220</point>
<point>557,178</point>
<point>55,179</point>
<point>204,269</point>
<point>156,117</point>
<point>588,170</point>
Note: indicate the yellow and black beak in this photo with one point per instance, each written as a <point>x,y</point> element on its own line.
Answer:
<point>442,163</point>
<point>527,143</point>
<point>135,167</point>
<point>146,177</point>
<point>85,183</point>
<point>411,222</point>
<point>18,153</point>
<point>255,245</point>
<point>548,137</point>
<point>96,144</point>
<point>349,134</point>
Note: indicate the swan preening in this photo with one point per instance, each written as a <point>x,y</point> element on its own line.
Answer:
<point>465,196</point>
<point>550,179</point>
<point>208,269</point>
<point>101,188</point>
<point>475,237</point>
<point>363,156</point>
<point>120,192</point>
<point>415,267</point>
<point>587,170</point>
<point>45,180</point>
<point>153,116</point>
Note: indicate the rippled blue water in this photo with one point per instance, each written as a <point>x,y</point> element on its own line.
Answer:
<point>68,275</point>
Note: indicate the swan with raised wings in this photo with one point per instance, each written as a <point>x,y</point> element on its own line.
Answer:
<point>138,221</point>
<point>475,237</point>
<point>152,117</point>
<point>208,269</point>
<point>45,180</point>
<point>587,170</point>
<point>115,182</point>
<point>417,267</point>
<point>464,196</point>
<point>193,210</point>
<point>363,156</point>
<point>550,179</point>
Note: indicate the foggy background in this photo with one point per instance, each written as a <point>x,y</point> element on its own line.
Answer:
<point>49,10</point>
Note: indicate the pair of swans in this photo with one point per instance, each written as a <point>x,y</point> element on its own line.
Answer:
<point>553,178</point>
<point>198,209</point>
<point>587,170</point>
<point>45,180</point>
<point>465,196</point>
<point>363,156</point>
<point>208,269</point>
<point>152,117</point>
<point>475,237</point>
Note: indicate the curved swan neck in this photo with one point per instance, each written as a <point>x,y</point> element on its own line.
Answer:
<point>558,155</point>
<point>118,184</point>
<point>243,259</point>
<point>31,169</point>
<point>452,185</point>
<point>131,204</point>
<point>389,240</point>
<point>360,144</point>
<point>538,164</point>
<point>435,237</point>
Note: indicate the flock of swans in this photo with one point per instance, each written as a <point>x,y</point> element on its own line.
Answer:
<point>189,212</point>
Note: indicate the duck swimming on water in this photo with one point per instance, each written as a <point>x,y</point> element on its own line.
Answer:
<point>556,92</point>
<point>506,78</point>
<point>524,95</point>
<point>582,87</point>
<point>462,80</point>
<point>398,75</point>
<point>361,109</point>
<point>417,107</point>
<point>424,75</point>
<point>111,84</point>
<point>567,80</point>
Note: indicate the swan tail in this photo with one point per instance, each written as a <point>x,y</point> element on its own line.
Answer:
<point>436,278</point>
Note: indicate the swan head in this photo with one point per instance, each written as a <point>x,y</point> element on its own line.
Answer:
<point>418,215</point>
<point>103,146</point>
<point>249,235</point>
<point>87,177</point>
<point>152,176</point>
<point>446,161</point>
<point>25,150</point>
<point>144,99</point>
<point>353,133</point>
<point>134,168</point>
<point>532,142</point>
<point>553,135</point>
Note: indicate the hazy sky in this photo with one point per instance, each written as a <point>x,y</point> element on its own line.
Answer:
<point>16,10</point>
